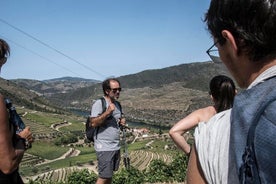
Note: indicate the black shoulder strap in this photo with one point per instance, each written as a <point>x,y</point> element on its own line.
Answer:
<point>119,105</point>
<point>249,169</point>
<point>103,104</point>
<point>103,110</point>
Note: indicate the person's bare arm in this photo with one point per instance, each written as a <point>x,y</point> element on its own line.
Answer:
<point>188,123</point>
<point>99,120</point>
<point>181,127</point>
<point>194,171</point>
<point>10,156</point>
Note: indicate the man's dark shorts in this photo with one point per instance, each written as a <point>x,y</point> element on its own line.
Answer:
<point>108,161</point>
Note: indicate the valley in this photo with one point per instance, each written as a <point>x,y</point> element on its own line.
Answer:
<point>154,100</point>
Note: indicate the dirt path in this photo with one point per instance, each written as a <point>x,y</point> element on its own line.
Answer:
<point>57,126</point>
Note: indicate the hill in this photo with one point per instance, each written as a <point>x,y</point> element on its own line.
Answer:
<point>22,96</point>
<point>192,75</point>
<point>55,86</point>
<point>153,96</point>
<point>158,97</point>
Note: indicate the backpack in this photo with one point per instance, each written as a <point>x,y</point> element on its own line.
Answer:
<point>89,130</point>
<point>252,170</point>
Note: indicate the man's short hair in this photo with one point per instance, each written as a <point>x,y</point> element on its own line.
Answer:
<point>106,84</point>
<point>251,22</point>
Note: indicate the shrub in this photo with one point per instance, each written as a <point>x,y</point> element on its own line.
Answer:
<point>81,177</point>
<point>179,167</point>
<point>158,171</point>
<point>130,176</point>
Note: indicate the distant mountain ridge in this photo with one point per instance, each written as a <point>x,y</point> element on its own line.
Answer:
<point>77,79</point>
<point>55,86</point>
<point>22,96</point>
<point>194,75</point>
<point>164,94</point>
<point>157,96</point>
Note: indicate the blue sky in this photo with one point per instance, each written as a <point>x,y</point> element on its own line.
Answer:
<point>96,39</point>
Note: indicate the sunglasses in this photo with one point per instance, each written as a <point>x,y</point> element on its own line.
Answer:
<point>114,90</point>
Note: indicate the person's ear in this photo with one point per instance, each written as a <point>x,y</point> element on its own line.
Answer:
<point>227,35</point>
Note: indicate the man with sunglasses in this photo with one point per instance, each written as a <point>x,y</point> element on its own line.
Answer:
<point>107,136</point>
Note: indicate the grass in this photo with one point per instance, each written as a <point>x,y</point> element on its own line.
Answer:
<point>137,145</point>
<point>87,155</point>
<point>47,150</point>
<point>86,150</point>
<point>75,126</point>
<point>46,119</point>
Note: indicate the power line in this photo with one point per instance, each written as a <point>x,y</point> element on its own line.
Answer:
<point>45,58</point>
<point>52,48</point>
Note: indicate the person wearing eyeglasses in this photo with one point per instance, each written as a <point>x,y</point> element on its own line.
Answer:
<point>12,144</point>
<point>107,138</point>
<point>222,93</point>
<point>244,38</point>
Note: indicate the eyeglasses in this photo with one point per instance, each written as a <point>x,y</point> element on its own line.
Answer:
<point>213,53</point>
<point>114,90</point>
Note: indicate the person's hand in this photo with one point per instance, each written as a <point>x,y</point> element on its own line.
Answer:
<point>26,134</point>
<point>122,122</point>
<point>111,108</point>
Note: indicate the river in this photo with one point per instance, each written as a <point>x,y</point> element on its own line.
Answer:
<point>131,124</point>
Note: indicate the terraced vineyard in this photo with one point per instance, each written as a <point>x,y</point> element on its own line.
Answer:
<point>57,175</point>
<point>45,161</point>
<point>39,130</point>
<point>30,160</point>
<point>141,159</point>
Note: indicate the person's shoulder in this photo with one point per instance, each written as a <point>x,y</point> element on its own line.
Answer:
<point>221,116</point>
<point>210,109</point>
<point>203,114</point>
<point>269,112</point>
<point>97,102</point>
<point>207,111</point>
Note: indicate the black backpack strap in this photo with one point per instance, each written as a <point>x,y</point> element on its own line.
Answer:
<point>120,107</point>
<point>103,104</point>
<point>103,110</point>
<point>249,170</point>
